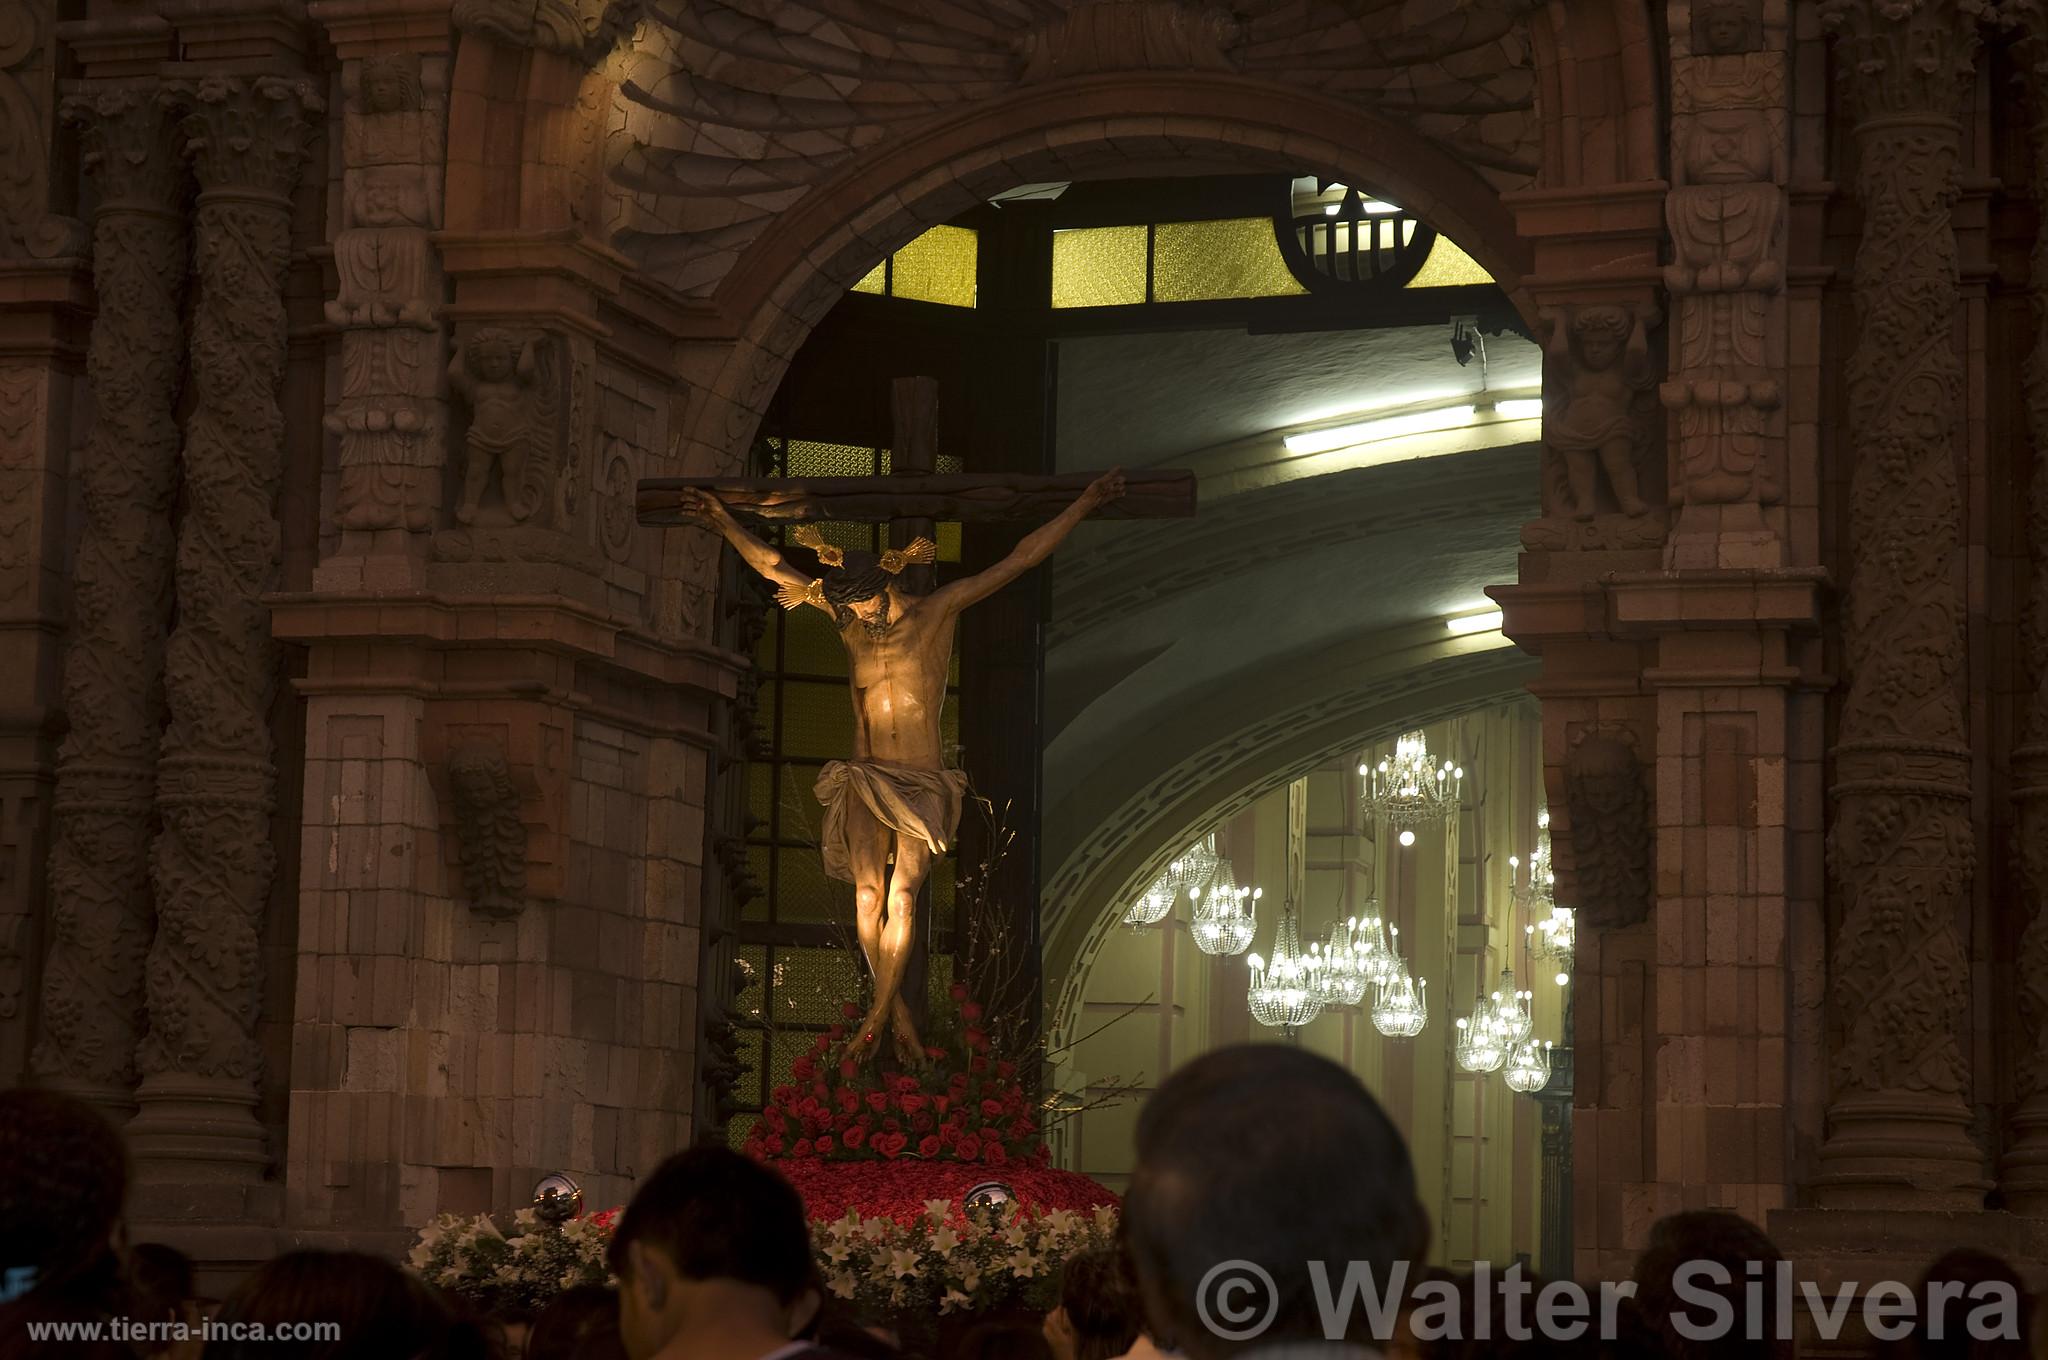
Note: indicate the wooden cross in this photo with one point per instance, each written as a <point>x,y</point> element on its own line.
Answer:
<point>913,494</point>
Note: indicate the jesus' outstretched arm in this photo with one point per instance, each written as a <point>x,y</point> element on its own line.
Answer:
<point>1032,549</point>
<point>758,555</point>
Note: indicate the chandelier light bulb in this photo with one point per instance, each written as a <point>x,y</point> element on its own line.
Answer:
<point>1563,979</point>
<point>1407,838</point>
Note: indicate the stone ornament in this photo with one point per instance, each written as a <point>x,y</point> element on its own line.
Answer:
<point>1901,850</point>
<point>217,774</point>
<point>1611,831</point>
<point>490,838</point>
<point>514,386</point>
<point>28,229</point>
<point>1597,425</point>
<point>1131,35</point>
<point>390,417</point>
<point>1726,210</point>
<point>102,910</point>
<point>584,30</point>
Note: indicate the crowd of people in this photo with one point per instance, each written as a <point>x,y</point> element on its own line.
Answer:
<point>1226,1219</point>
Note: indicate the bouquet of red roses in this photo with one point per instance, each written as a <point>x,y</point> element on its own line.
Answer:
<point>966,1105</point>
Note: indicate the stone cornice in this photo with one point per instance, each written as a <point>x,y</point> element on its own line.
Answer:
<point>368,28</point>
<point>542,624</point>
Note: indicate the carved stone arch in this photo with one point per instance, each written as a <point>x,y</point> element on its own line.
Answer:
<point>533,160</point>
<point>1600,75</point>
<point>1094,127</point>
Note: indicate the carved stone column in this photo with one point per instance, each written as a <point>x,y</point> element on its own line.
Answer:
<point>2024,1168</point>
<point>217,775</point>
<point>1726,212</point>
<point>1900,850</point>
<point>101,913</point>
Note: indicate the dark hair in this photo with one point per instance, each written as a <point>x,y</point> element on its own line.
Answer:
<point>378,1311</point>
<point>1101,1303</point>
<point>838,1332</point>
<point>1220,1179</point>
<point>1731,1242</point>
<point>858,577</point>
<point>1968,1267</point>
<point>159,1284</point>
<point>1003,1341</point>
<point>63,1180</point>
<point>580,1323</point>
<point>718,1215</point>
<point>1466,1341</point>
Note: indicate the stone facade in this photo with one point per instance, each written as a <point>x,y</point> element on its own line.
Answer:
<point>357,838</point>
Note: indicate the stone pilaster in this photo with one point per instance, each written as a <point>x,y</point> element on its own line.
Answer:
<point>1727,211</point>
<point>217,773</point>
<point>2023,1171</point>
<point>101,908</point>
<point>1900,848</point>
<point>43,296</point>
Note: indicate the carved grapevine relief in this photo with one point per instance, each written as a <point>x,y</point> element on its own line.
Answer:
<point>27,85</point>
<point>489,836</point>
<point>1901,850</point>
<point>101,909</point>
<point>217,775</point>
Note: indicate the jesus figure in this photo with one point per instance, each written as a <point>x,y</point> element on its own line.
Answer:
<point>895,799</point>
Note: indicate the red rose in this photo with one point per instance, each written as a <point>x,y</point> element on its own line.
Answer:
<point>802,1149</point>
<point>992,1152</point>
<point>878,1101</point>
<point>824,1144</point>
<point>921,1122</point>
<point>940,1103</point>
<point>928,1147</point>
<point>847,1070</point>
<point>910,1104</point>
<point>978,1065</point>
<point>976,1040</point>
<point>903,1084</point>
<point>854,1136</point>
<point>834,1034</point>
<point>890,1145</point>
<point>849,1010</point>
<point>991,1109</point>
<point>969,1147</point>
<point>970,1011</point>
<point>958,991</point>
<point>934,1052</point>
<point>1006,1069</point>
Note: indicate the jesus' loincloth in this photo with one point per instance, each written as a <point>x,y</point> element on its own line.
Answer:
<point>909,800</point>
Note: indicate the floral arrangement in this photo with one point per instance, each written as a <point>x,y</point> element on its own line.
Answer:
<point>964,1105</point>
<point>522,1264</point>
<point>949,1258</point>
<point>946,1257</point>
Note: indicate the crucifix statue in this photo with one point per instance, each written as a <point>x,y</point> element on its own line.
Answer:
<point>893,804</point>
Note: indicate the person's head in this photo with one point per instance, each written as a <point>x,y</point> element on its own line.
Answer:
<point>1098,1315</point>
<point>1669,1283</point>
<point>860,587</point>
<point>160,1289</point>
<point>63,1181</point>
<point>1003,1341</point>
<point>1220,1181</point>
<point>711,1236</point>
<point>580,1323</point>
<point>376,1310</point>
<point>1964,1282</point>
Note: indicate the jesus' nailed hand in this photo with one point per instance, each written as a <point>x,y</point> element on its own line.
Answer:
<point>895,792</point>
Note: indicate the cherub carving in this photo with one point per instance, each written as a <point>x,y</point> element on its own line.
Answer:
<point>513,388</point>
<point>488,832</point>
<point>1610,830</point>
<point>1597,366</point>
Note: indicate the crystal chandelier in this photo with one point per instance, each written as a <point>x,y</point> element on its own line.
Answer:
<point>1553,932</point>
<point>1153,904</point>
<point>1188,873</point>
<point>1478,1048</point>
<point>1528,1067</point>
<point>1285,992</point>
<point>1345,964</point>
<point>1409,789</point>
<point>1225,914</point>
<point>1401,1009</point>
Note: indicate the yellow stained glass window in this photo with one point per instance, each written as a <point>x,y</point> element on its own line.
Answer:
<point>1448,265</point>
<point>938,267</point>
<point>875,281</point>
<point>1205,261</point>
<point>1098,267</point>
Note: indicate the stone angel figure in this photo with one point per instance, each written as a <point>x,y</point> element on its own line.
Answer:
<point>1597,367</point>
<point>513,388</point>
